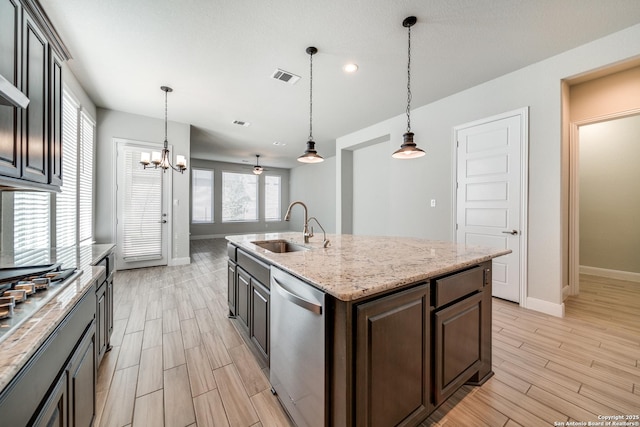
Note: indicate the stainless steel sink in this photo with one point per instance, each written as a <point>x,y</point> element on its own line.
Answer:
<point>279,246</point>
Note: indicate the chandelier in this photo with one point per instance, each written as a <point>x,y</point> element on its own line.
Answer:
<point>163,159</point>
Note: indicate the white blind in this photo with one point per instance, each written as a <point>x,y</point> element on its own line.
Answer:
<point>202,196</point>
<point>272,198</point>
<point>239,197</point>
<point>85,178</point>
<point>30,226</point>
<point>142,230</point>
<point>67,199</point>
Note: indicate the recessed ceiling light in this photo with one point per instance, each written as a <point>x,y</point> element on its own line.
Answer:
<point>350,68</point>
<point>280,144</point>
<point>241,123</point>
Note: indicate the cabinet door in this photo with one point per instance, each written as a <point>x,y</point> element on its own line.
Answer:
<point>54,411</point>
<point>101,321</point>
<point>109,310</point>
<point>10,70</point>
<point>242,303</point>
<point>231,287</point>
<point>55,119</point>
<point>393,379</point>
<point>457,345</point>
<point>260,306</point>
<point>82,378</point>
<point>35,84</point>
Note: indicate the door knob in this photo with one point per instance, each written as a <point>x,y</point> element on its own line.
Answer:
<point>164,221</point>
<point>512,232</point>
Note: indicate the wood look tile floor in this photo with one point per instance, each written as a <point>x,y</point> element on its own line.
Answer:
<point>177,360</point>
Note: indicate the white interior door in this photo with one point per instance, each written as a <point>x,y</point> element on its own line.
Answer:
<point>489,195</point>
<point>142,210</point>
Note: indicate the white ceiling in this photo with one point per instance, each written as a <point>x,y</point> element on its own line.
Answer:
<point>218,55</point>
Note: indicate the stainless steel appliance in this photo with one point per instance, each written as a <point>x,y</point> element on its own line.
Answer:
<point>297,367</point>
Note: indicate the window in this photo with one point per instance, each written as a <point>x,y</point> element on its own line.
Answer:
<point>272,198</point>
<point>201,196</point>
<point>67,199</point>
<point>33,223</point>
<point>239,197</point>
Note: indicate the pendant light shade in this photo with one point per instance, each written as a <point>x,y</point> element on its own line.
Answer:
<point>257,169</point>
<point>310,155</point>
<point>408,149</point>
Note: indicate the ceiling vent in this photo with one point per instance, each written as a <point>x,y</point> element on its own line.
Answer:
<point>285,76</point>
<point>241,123</point>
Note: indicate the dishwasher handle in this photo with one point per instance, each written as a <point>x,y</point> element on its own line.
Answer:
<point>290,296</point>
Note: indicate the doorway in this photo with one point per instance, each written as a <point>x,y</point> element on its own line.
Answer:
<point>604,203</point>
<point>142,208</point>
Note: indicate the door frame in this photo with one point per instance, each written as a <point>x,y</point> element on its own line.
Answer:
<point>574,194</point>
<point>167,190</point>
<point>523,113</point>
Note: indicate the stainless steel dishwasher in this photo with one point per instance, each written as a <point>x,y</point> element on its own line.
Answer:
<point>297,366</point>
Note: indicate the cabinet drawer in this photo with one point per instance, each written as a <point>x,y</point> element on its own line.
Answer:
<point>453,287</point>
<point>254,267</point>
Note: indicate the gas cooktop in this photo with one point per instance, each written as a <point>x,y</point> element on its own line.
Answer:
<point>24,290</point>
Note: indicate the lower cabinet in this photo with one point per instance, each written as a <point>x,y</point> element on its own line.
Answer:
<point>392,347</point>
<point>242,307</point>
<point>101,321</point>
<point>231,287</point>
<point>457,345</point>
<point>82,382</point>
<point>55,413</point>
<point>260,311</point>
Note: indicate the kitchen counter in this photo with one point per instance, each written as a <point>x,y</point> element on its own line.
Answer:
<point>355,267</point>
<point>18,347</point>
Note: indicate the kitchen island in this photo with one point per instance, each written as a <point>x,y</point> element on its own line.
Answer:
<point>405,322</point>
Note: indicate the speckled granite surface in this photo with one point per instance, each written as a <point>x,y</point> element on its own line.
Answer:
<point>355,267</point>
<point>17,347</point>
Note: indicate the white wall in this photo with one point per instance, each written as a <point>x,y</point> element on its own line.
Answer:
<point>315,186</point>
<point>116,124</point>
<point>414,182</point>
<point>609,199</point>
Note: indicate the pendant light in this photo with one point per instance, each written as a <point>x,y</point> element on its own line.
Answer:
<point>310,154</point>
<point>408,149</point>
<point>257,169</point>
<point>163,159</point>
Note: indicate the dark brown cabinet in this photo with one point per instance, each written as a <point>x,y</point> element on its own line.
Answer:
<point>260,311</point>
<point>101,321</point>
<point>242,307</point>
<point>31,58</point>
<point>231,287</point>
<point>10,150</point>
<point>393,359</point>
<point>82,383</point>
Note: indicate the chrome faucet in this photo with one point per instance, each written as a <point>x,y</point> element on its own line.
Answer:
<point>305,227</point>
<point>325,241</point>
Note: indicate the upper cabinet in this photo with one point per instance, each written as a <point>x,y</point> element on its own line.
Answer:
<point>31,54</point>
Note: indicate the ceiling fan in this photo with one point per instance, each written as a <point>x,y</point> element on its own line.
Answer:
<point>257,169</point>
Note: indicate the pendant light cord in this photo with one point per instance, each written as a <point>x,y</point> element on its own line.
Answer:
<point>409,82</point>
<point>165,119</point>
<point>311,97</point>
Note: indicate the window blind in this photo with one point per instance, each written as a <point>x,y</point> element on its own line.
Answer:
<point>67,199</point>
<point>142,209</point>
<point>272,198</point>
<point>202,196</point>
<point>31,214</point>
<point>239,197</point>
<point>85,179</point>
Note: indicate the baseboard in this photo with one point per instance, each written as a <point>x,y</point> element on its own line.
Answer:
<point>179,261</point>
<point>544,306</point>
<point>611,274</point>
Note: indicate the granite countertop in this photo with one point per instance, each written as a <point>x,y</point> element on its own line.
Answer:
<point>355,267</point>
<point>18,347</point>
